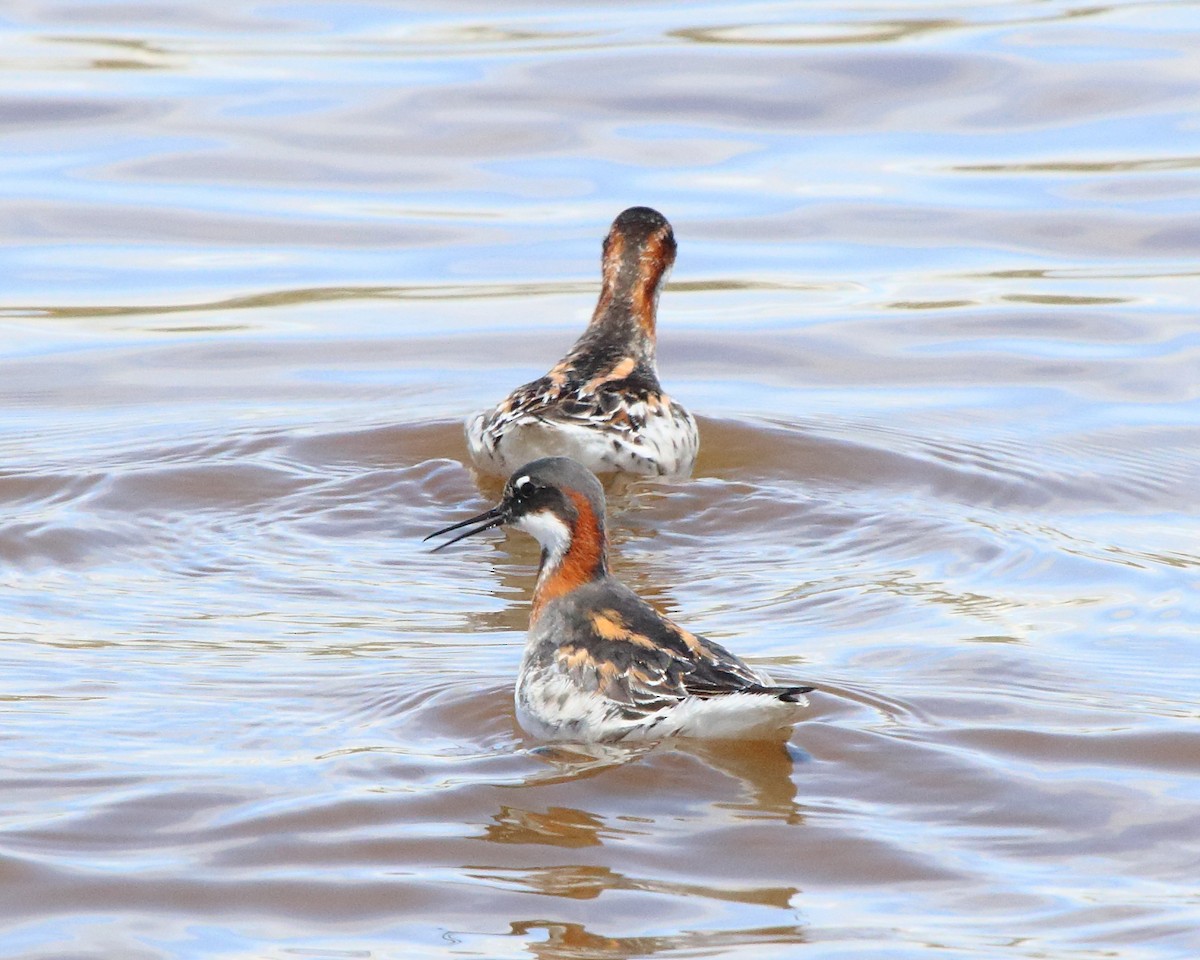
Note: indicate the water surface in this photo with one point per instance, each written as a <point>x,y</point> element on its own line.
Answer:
<point>935,309</point>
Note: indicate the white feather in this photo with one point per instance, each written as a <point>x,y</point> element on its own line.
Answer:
<point>551,707</point>
<point>666,444</point>
<point>550,532</point>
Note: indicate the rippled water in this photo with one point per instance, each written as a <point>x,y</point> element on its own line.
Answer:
<point>935,306</point>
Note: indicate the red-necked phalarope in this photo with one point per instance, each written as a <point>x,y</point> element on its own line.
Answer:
<point>602,403</point>
<point>600,663</point>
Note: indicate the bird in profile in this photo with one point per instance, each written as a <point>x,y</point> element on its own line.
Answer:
<point>601,664</point>
<point>602,403</point>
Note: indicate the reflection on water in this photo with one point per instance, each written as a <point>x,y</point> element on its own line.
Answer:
<point>564,940</point>
<point>935,305</point>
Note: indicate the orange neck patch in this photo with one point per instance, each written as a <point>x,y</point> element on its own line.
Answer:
<point>583,561</point>
<point>652,264</point>
<point>630,285</point>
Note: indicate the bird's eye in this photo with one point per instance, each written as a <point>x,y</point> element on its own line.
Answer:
<point>522,488</point>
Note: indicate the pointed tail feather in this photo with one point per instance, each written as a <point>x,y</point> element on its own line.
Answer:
<point>788,694</point>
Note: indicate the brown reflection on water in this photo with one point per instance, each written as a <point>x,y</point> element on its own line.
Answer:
<point>759,771</point>
<point>815,34</point>
<point>577,882</point>
<point>821,32</point>
<point>573,941</point>
<point>135,54</point>
<point>558,826</point>
<point>1148,164</point>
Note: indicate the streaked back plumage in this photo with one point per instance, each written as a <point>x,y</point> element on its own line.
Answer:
<point>602,404</point>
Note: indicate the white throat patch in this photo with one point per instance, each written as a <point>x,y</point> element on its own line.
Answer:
<point>550,532</point>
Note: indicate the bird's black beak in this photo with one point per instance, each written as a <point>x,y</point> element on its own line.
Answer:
<point>489,518</point>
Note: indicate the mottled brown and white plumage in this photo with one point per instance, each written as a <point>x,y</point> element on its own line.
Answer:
<point>600,663</point>
<point>602,403</point>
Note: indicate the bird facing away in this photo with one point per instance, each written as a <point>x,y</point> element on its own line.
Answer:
<point>601,664</point>
<point>602,403</point>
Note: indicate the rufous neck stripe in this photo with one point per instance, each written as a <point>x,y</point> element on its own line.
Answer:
<point>582,562</point>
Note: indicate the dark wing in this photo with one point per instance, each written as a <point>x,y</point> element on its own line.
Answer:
<point>641,660</point>
<point>616,394</point>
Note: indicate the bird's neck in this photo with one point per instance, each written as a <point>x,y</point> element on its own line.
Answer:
<point>628,304</point>
<point>568,566</point>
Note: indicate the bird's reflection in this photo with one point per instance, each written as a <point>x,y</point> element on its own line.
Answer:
<point>760,770</point>
<point>573,941</point>
<point>556,827</point>
<point>589,881</point>
<point>762,767</point>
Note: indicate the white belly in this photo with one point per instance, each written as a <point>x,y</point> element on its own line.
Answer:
<point>666,445</point>
<point>551,707</point>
